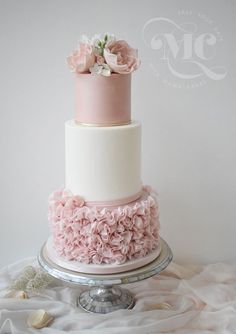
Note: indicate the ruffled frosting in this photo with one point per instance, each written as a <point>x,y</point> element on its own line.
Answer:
<point>103,235</point>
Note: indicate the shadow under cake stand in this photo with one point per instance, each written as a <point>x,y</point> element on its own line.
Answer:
<point>104,295</point>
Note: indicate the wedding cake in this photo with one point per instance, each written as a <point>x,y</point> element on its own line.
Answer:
<point>104,220</point>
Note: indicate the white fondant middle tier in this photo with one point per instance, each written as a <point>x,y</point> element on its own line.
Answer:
<point>103,163</point>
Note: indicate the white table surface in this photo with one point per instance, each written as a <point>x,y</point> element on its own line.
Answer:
<point>202,299</point>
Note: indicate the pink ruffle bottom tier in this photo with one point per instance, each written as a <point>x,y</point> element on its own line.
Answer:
<point>103,235</point>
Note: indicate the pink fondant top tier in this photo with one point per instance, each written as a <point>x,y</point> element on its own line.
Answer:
<point>102,100</point>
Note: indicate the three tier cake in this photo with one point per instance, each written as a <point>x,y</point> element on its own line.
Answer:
<point>104,220</point>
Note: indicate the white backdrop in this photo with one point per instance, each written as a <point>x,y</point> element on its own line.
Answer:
<point>189,137</point>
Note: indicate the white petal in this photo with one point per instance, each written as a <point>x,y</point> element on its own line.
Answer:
<point>111,38</point>
<point>96,69</point>
<point>106,72</point>
<point>96,38</point>
<point>84,39</point>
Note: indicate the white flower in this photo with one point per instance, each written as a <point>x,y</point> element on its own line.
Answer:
<point>99,42</point>
<point>102,69</point>
<point>106,71</point>
<point>102,37</point>
<point>111,38</point>
<point>96,38</point>
<point>84,39</point>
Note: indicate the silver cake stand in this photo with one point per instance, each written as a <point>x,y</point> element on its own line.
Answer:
<point>104,295</point>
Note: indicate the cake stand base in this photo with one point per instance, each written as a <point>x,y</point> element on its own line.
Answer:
<point>104,295</point>
<point>105,299</point>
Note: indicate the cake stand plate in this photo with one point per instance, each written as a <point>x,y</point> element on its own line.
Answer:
<point>104,295</point>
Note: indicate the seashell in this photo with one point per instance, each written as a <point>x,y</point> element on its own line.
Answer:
<point>17,294</point>
<point>160,306</point>
<point>39,319</point>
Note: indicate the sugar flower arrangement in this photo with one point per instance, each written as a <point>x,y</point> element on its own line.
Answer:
<point>103,55</point>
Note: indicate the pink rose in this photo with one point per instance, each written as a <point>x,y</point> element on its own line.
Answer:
<point>121,57</point>
<point>82,59</point>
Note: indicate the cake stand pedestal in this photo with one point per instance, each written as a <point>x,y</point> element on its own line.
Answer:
<point>104,295</point>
